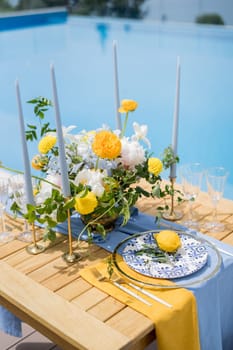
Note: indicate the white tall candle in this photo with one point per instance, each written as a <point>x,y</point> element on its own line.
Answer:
<point>27,169</point>
<point>176,118</point>
<point>116,87</point>
<point>61,146</point>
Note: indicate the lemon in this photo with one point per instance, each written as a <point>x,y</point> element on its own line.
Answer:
<point>168,240</point>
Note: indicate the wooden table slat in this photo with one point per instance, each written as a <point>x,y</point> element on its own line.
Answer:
<point>31,298</point>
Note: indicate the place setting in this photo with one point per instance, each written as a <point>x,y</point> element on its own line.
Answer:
<point>131,275</point>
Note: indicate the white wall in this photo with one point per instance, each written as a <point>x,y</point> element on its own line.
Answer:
<point>188,10</point>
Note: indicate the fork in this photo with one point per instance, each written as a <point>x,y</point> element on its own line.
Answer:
<point>145,292</point>
<point>140,289</point>
<point>100,277</point>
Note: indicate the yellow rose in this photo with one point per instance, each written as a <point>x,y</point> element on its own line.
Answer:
<point>155,166</point>
<point>168,240</point>
<point>46,144</point>
<point>106,145</point>
<point>86,205</point>
<point>128,106</point>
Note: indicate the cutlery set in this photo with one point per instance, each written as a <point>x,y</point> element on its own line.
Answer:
<point>118,282</point>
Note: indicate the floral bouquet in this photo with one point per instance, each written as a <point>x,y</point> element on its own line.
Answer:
<point>104,166</point>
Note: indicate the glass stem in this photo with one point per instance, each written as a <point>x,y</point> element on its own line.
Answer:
<point>214,214</point>
<point>3,220</point>
<point>190,211</point>
<point>26,226</point>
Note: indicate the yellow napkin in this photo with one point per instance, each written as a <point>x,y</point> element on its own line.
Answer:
<point>176,328</point>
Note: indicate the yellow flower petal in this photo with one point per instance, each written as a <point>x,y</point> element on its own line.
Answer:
<point>128,106</point>
<point>46,144</point>
<point>106,145</point>
<point>35,191</point>
<point>155,166</point>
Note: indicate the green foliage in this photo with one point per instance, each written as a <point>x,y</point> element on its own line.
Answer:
<point>210,18</point>
<point>153,252</point>
<point>110,266</point>
<point>51,3</point>
<point>41,105</point>
<point>114,8</point>
<point>169,158</point>
<point>5,6</point>
<point>121,186</point>
<point>29,4</point>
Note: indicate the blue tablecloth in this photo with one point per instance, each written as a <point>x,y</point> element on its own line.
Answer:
<point>214,295</point>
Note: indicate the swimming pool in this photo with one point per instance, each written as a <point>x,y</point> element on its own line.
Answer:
<point>81,50</point>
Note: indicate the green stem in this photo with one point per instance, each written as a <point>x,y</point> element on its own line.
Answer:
<point>125,124</point>
<point>97,163</point>
<point>34,176</point>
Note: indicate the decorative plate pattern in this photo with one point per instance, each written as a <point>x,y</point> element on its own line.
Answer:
<point>191,257</point>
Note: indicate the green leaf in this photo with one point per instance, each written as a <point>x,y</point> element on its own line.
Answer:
<point>33,101</point>
<point>61,214</point>
<point>49,235</point>
<point>15,208</point>
<point>110,265</point>
<point>169,157</point>
<point>69,204</point>
<point>32,126</point>
<point>31,135</point>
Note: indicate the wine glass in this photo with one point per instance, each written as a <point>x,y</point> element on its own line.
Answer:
<point>216,178</point>
<point>191,179</point>
<point>19,196</point>
<point>5,236</point>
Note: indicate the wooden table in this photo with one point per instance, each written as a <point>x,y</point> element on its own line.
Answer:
<point>49,294</point>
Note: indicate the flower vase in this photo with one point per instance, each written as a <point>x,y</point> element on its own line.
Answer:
<point>107,221</point>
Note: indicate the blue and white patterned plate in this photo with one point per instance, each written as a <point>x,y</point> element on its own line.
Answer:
<point>191,257</point>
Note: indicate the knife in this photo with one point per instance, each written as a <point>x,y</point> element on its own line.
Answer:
<point>126,290</point>
<point>152,296</point>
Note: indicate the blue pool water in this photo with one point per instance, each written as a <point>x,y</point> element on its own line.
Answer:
<point>81,50</point>
<point>30,19</point>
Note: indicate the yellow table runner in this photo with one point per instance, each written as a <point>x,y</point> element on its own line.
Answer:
<point>176,328</point>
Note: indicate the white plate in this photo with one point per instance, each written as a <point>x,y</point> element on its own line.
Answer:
<point>191,257</point>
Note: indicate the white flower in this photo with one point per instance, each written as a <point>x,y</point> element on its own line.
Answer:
<point>140,133</point>
<point>83,149</point>
<point>54,179</point>
<point>92,178</point>
<point>65,132</point>
<point>46,188</point>
<point>132,153</point>
<point>82,177</point>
